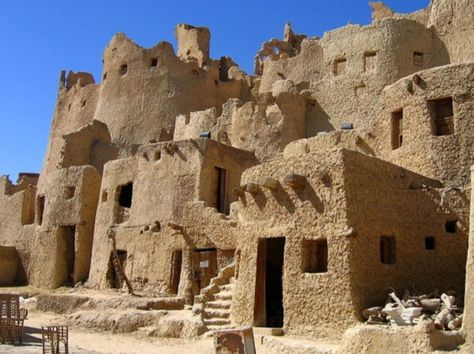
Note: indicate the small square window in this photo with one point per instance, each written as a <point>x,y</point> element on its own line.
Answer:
<point>123,69</point>
<point>430,243</point>
<point>388,249</point>
<point>339,67</point>
<point>69,192</point>
<point>451,226</point>
<point>418,58</point>
<point>157,155</point>
<point>315,256</point>
<point>370,61</point>
<point>154,62</point>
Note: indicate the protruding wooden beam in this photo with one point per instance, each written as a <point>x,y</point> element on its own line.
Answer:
<point>295,181</point>
<point>239,191</point>
<point>268,182</point>
<point>250,187</point>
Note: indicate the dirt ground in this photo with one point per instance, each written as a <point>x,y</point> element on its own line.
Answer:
<point>83,341</point>
<point>88,341</point>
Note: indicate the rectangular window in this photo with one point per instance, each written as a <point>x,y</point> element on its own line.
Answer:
<point>370,61</point>
<point>154,62</point>
<point>315,256</point>
<point>443,116</point>
<point>339,67</point>
<point>221,194</point>
<point>124,197</point>
<point>388,249</point>
<point>397,129</point>
<point>430,243</point>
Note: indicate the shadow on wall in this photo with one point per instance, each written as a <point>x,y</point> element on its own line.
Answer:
<point>12,271</point>
<point>317,120</point>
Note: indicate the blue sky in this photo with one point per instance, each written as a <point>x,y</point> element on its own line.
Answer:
<point>40,38</point>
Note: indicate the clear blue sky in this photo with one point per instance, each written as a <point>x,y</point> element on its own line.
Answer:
<point>40,38</point>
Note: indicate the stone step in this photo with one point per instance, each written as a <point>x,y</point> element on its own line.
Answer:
<point>146,331</point>
<point>216,313</point>
<point>225,304</point>
<point>219,281</point>
<point>227,287</point>
<point>225,295</point>
<point>216,321</point>
<point>197,308</point>
<point>198,299</point>
<point>227,272</point>
<point>219,327</point>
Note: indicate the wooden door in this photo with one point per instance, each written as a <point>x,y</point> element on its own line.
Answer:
<point>204,268</point>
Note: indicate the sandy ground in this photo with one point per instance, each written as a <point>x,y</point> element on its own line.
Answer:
<point>86,340</point>
<point>83,341</point>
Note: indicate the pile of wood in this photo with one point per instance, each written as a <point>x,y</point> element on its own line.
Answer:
<point>411,309</point>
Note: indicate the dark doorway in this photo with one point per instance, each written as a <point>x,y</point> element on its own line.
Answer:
<point>115,276</point>
<point>67,253</point>
<point>176,265</point>
<point>126,195</point>
<point>268,311</point>
<point>204,268</point>
<point>221,193</point>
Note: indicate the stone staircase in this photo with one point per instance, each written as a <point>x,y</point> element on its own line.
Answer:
<point>214,302</point>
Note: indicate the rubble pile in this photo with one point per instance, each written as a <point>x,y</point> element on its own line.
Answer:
<point>413,308</point>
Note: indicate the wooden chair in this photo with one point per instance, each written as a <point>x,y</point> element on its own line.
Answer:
<point>12,318</point>
<point>53,337</point>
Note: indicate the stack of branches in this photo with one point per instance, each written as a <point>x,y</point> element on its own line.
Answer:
<point>412,308</point>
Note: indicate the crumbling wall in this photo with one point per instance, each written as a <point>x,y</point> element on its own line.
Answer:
<point>193,43</point>
<point>264,127</point>
<point>143,90</point>
<point>67,198</point>
<point>345,71</point>
<point>275,49</point>
<point>75,108</point>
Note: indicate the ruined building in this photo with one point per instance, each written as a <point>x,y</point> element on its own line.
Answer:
<point>339,169</point>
